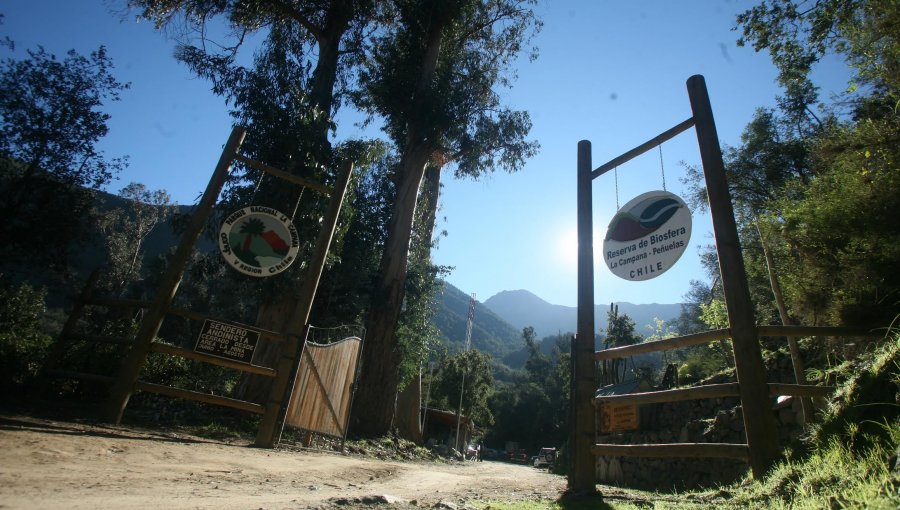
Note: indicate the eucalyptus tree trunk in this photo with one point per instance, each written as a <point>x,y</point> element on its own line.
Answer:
<point>274,313</point>
<point>374,405</point>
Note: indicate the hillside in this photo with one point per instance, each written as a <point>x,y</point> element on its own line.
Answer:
<point>521,308</point>
<point>490,333</point>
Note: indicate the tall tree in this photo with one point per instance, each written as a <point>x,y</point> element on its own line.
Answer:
<point>431,78</point>
<point>126,228</point>
<point>619,332</point>
<point>287,100</point>
<point>51,120</point>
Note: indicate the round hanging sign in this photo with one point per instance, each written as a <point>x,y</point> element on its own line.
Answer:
<point>259,241</point>
<point>647,236</point>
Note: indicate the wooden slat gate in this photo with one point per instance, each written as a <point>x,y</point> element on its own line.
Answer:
<point>323,388</point>
<point>144,341</point>
<point>761,449</point>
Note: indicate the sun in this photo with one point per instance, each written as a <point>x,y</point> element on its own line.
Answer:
<point>567,248</point>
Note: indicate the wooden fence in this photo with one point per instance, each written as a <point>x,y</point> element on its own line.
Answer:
<point>705,450</point>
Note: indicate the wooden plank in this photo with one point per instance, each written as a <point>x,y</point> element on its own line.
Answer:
<point>682,450</point>
<point>710,391</point>
<point>677,395</point>
<point>131,366</point>
<point>663,345</point>
<point>583,478</point>
<point>759,422</point>
<point>644,147</point>
<point>84,376</point>
<point>212,360</point>
<point>281,174</point>
<point>800,390</point>
<point>320,400</point>
<point>802,331</point>
<point>199,397</point>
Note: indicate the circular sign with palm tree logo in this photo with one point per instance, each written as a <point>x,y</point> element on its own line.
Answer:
<point>259,241</point>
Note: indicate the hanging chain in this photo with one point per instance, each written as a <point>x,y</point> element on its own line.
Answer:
<point>616,173</point>
<point>256,188</point>
<point>662,168</point>
<point>297,205</point>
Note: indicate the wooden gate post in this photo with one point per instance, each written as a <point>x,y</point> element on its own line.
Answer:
<point>759,422</point>
<point>131,366</point>
<point>296,327</point>
<point>583,479</point>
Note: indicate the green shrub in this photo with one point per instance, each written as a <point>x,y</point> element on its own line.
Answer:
<point>23,345</point>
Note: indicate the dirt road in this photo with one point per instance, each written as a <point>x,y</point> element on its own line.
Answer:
<point>52,464</point>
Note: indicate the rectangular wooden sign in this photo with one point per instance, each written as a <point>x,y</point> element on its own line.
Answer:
<point>618,417</point>
<point>227,341</point>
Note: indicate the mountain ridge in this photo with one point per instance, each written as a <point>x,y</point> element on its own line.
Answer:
<point>522,308</point>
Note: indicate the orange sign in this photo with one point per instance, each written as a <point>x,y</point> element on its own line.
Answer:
<point>617,418</point>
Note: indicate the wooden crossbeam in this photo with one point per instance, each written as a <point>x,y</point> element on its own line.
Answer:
<point>644,147</point>
<point>678,395</point>
<point>710,391</point>
<point>199,397</point>
<point>721,334</point>
<point>281,174</point>
<point>682,450</point>
<point>663,345</point>
<point>212,360</point>
<point>799,390</point>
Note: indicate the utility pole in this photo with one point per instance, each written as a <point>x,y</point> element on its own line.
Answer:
<point>469,322</point>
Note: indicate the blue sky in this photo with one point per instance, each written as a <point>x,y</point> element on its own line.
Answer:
<point>612,72</point>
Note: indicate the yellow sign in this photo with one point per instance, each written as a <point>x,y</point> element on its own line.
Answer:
<point>617,418</point>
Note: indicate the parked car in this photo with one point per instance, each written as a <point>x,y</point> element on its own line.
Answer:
<point>545,458</point>
<point>520,456</point>
<point>490,454</point>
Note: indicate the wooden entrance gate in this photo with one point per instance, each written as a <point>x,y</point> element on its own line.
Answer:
<point>144,342</point>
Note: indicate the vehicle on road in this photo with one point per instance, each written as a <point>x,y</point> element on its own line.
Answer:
<point>545,458</point>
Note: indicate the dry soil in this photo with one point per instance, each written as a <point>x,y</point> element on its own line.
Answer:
<point>50,464</point>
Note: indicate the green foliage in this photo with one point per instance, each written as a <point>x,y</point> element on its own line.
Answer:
<point>125,230</point>
<point>534,408</point>
<point>841,230</point>
<point>714,315</point>
<point>475,367</point>
<point>432,77</point>
<point>798,34</point>
<point>50,118</point>
<point>23,346</point>
<point>815,187</point>
<point>619,332</point>
<point>50,124</point>
<point>699,362</point>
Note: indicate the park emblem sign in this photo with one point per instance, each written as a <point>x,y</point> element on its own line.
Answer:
<point>647,236</point>
<point>259,241</point>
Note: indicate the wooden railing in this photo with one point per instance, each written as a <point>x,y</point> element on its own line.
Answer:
<point>707,450</point>
<point>70,335</point>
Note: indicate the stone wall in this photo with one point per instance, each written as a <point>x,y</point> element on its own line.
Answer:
<point>697,421</point>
